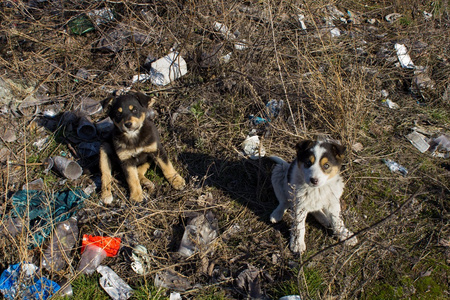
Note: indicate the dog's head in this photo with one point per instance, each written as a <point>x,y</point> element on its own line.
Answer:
<point>128,112</point>
<point>319,161</point>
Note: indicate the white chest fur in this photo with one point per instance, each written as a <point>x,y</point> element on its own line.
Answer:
<point>315,198</point>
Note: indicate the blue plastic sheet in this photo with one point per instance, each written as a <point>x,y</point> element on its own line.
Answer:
<point>43,288</point>
<point>45,210</point>
<point>16,285</point>
<point>7,280</point>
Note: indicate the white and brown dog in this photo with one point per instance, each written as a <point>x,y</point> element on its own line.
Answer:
<point>311,184</point>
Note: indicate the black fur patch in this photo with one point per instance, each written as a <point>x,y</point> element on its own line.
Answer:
<point>333,152</point>
<point>304,152</point>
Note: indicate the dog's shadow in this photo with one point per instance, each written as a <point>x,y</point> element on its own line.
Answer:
<point>246,181</point>
<point>243,180</point>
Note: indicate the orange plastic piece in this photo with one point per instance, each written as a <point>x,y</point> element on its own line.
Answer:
<point>109,244</point>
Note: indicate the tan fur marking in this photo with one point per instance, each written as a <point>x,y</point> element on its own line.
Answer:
<point>312,159</point>
<point>171,174</point>
<point>142,169</point>
<point>151,148</point>
<point>131,107</point>
<point>167,169</point>
<point>323,161</point>
<point>134,183</point>
<point>126,154</point>
<point>105,168</point>
<point>332,171</point>
<point>120,109</point>
<point>132,176</point>
<point>136,120</point>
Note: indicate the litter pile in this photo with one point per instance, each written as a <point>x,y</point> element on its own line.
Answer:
<point>230,83</point>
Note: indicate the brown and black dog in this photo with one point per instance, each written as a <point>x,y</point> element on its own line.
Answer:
<point>134,142</point>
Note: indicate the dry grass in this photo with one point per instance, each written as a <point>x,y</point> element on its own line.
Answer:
<point>330,86</point>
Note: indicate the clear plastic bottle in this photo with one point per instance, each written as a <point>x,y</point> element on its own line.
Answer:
<point>395,167</point>
<point>91,258</point>
<point>115,286</point>
<point>62,243</point>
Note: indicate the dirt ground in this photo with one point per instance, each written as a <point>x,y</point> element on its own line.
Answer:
<point>335,79</point>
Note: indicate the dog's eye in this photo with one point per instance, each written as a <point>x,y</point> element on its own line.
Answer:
<point>134,110</point>
<point>308,164</point>
<point>326,166</point>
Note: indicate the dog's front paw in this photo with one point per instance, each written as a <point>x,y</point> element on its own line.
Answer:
<point>297,247</point>
<point>150,186</point>
<point>137,196</point>
<point>276,216</point>
<point>273,219</point>
<point>106,198</point>
<point>178,182</point>
<point>345,235</point>
<point>351,242</point>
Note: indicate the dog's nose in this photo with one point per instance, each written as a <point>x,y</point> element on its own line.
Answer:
<point>128,124</point>
<point>314,181</point>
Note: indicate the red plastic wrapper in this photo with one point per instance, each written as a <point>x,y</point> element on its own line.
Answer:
<point>109,244</point>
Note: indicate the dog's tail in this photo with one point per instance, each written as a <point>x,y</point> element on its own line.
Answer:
<point>278,160</point>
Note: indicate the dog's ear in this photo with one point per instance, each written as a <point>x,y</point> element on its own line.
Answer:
<point>338,151</point>
<point>302,146</point>
<point>142,98</point>
<point>107,103</point>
